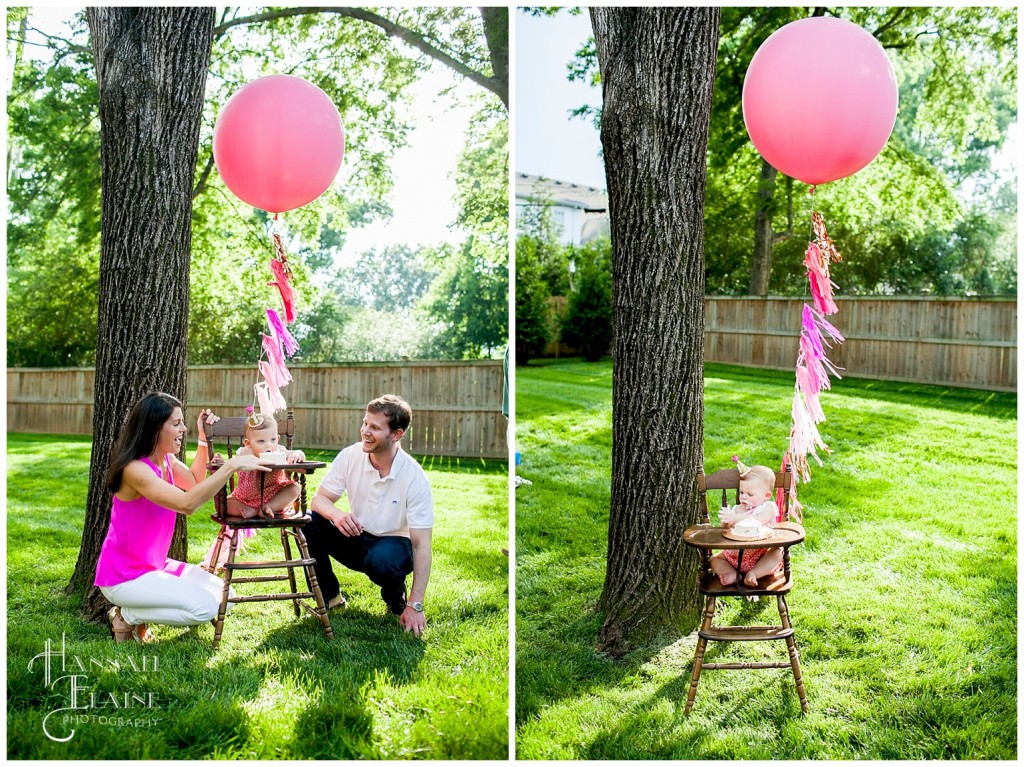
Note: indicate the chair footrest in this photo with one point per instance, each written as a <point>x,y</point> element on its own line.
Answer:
<point>745,633</point>
<point>777,584</point>
<point>759,664</point>
<point>275,597</point>
<point>259,579</point>
<point>269,565</point>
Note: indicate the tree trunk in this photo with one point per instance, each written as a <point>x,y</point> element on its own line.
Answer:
<point>496,33</point>
<point>657,71</point>
<point>151,66</point>
<point>764,237</point>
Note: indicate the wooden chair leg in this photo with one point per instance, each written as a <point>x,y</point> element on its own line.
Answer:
<point>218,627</point>
<point>215,555</point>
<point>314,585</point>
<point>698,658</point>
<point>286,545</point>
<point>794,657</point>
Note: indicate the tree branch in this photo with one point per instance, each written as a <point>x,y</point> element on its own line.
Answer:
<point>889,24</point>
<point>491,84</point>
<point>201,184</point>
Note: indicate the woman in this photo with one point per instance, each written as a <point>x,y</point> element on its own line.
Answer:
<point>151,487</point>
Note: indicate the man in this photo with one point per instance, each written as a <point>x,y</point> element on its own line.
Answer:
<point>387,531</point>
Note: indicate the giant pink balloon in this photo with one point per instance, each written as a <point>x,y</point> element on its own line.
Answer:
<point>819,99</point>
<point>278,143</point>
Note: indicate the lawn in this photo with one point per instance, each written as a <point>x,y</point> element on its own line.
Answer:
<point>276,688</point>
<point>905,603</point>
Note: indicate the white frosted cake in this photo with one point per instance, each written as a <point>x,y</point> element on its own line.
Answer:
<point>749,529</point>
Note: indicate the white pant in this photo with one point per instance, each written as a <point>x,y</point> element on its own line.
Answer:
<point>158,597</point>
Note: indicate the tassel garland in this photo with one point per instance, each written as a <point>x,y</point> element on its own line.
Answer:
<point>813,368</point>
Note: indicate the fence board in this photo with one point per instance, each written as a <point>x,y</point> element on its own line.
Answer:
<point>456,405</point>
<point>969,343</point>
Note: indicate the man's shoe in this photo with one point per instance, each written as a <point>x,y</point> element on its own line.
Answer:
<point>397,608</point>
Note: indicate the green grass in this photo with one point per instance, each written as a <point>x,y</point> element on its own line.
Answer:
<point>276,688</point>
<point>905,604</point>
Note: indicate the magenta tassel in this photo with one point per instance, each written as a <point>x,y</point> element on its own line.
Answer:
<point>280,332</point>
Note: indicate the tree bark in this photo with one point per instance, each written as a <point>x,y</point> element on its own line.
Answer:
<point>657,72</point>
<point>496,33</point>
<point>764,237</point>
<point>151,66</point>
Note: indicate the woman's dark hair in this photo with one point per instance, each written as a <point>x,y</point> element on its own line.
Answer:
<point>139,434</point>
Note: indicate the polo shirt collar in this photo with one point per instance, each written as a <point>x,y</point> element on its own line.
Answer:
<point>396,465</point>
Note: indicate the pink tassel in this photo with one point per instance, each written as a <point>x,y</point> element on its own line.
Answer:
<point>276,377</point>
<point>263,396</point>
<point>274,355</point>
<point>821,285</point>
<point>280,271</point>
<point>809,387</point>
<point>274,399</point>
<point>804,439</point>
<point>281,334</point>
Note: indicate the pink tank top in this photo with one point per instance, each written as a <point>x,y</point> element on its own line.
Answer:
<point>138,539</point>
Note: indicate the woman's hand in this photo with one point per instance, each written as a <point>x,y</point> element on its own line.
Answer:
<point>239,462</point>
<point>205,416</point>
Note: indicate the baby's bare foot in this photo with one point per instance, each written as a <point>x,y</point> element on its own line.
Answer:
<point>727,579</point>
<point>751,579</point>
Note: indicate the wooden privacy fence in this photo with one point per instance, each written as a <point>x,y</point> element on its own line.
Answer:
<point>965,342</point>
<point>456,405</point>
<point>970,343</point>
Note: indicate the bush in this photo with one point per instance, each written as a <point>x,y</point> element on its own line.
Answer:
<point>587,326</point>
<point>533,325</point>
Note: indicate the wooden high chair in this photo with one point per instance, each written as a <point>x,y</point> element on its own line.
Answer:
<point>706,538</point>
<point>232,430</point>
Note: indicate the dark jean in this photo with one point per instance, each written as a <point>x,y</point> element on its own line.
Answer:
<point>386,560</point>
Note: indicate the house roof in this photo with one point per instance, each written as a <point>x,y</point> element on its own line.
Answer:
<point>589,199</point>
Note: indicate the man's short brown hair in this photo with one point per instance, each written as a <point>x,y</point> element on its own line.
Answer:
<point>394,408</point>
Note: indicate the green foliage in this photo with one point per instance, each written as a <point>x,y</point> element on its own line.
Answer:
<point>53,232</point>
<point>905,611</point>
<point>587,325</point>
<point>54,209</point>
<point>468,301</point>
<point>537,224</point>
<point>533,315</point>
<point>276,688</point>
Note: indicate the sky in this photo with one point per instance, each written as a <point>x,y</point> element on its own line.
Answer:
<point>548,142</point>
<point>423,193</point>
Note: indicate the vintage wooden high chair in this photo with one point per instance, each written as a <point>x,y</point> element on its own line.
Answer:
<point>707,538</point>
<point>232,431</point>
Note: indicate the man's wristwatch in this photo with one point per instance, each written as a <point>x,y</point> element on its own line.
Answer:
<point>417,606</point>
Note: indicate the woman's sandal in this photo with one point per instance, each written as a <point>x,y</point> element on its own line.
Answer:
<point>122,630</point>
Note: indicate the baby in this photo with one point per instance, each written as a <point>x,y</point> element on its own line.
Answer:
<point>757,484</point>
<point>279,492</point>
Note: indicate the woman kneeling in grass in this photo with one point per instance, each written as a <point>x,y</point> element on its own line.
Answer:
<point>151,486</point>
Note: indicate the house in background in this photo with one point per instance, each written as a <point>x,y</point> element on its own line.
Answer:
<point>580,213</point>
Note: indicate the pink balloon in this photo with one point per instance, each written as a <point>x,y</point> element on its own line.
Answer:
<point>278,143</point>
<point>819,99</point>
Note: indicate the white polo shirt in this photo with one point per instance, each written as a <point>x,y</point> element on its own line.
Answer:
<point>383,505</point>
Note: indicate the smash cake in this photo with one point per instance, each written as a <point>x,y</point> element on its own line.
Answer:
<point>748,529</point>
